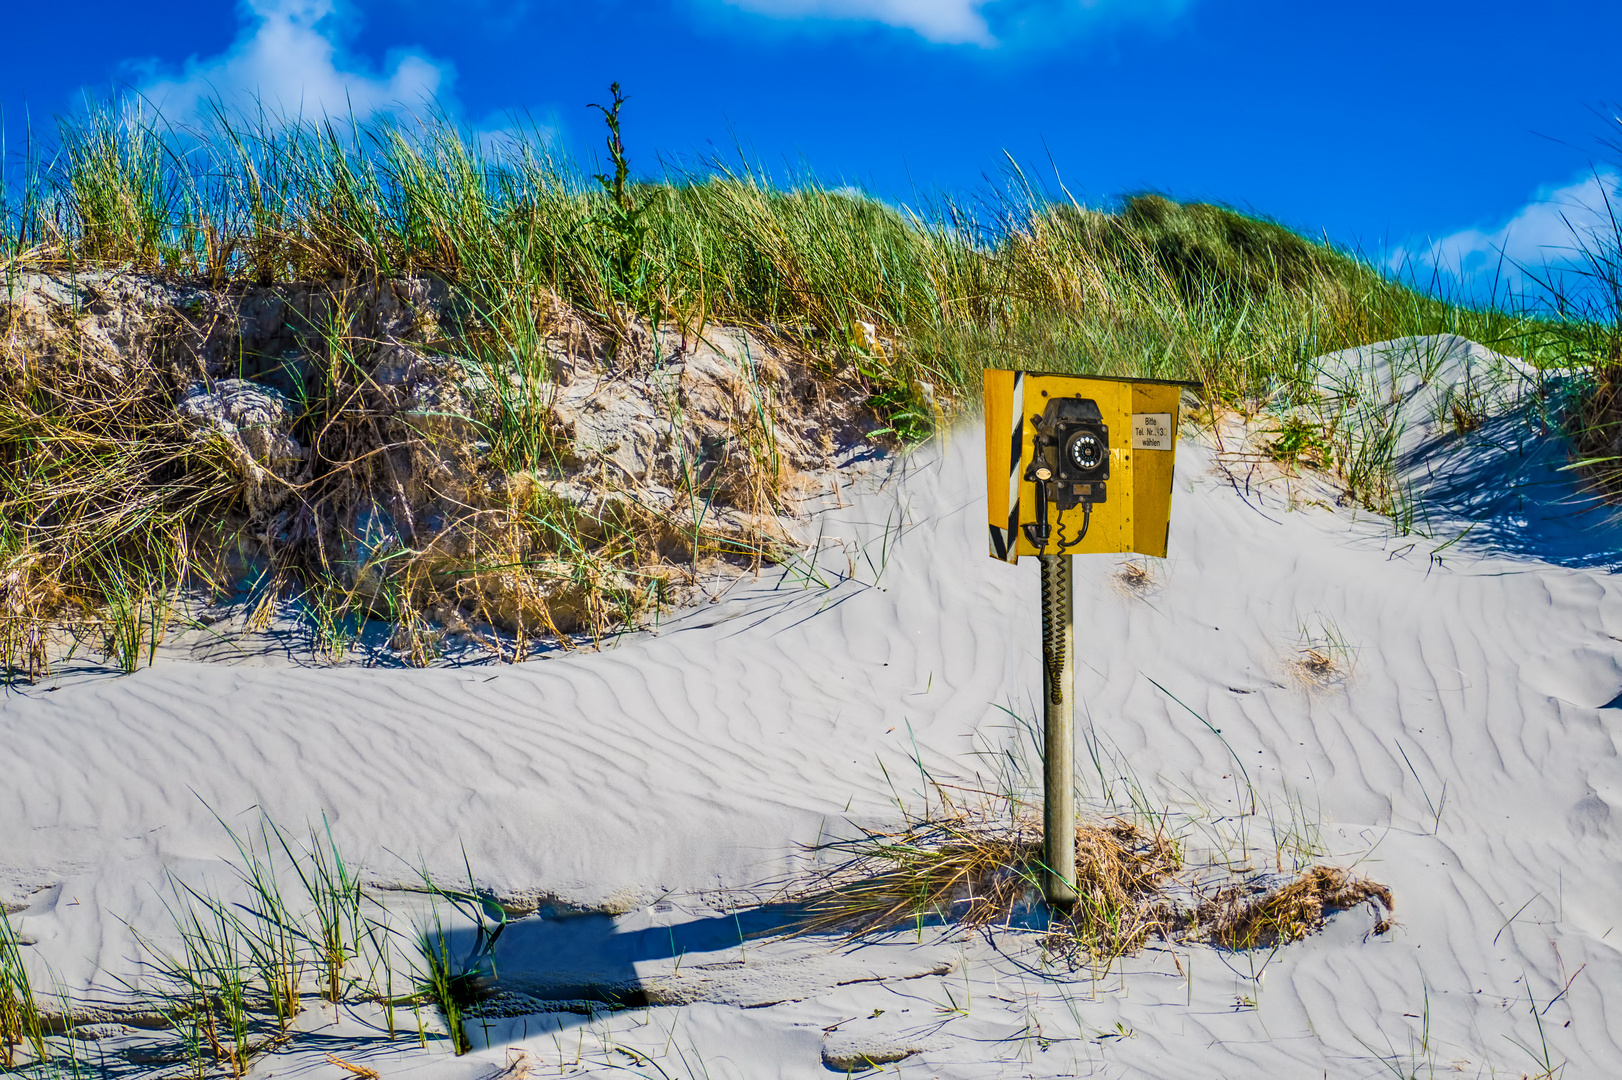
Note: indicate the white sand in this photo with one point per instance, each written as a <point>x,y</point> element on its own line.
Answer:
<point>647,778</point>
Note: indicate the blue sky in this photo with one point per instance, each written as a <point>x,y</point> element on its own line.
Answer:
<point>1443,127</point>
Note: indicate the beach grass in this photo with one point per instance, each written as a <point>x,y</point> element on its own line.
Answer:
<point>296,930</point>
<point>110,511</point>
<point>456,983</point>
<point>1592,408</point>
<point>20,1023</point>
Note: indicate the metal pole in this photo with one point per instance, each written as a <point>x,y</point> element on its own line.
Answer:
<point>1059,744</point>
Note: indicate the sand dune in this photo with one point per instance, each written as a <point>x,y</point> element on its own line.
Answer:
<point>1461,748</point>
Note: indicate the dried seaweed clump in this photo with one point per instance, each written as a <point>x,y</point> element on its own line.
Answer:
<point>1241,919</point>
<point>1121,873</point>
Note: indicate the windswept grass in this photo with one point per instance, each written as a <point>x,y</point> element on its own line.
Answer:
<point>107,510</point>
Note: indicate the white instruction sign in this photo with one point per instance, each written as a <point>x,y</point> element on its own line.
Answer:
<point>1151,431</point>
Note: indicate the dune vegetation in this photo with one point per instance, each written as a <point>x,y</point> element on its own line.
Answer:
<point>113,510</point>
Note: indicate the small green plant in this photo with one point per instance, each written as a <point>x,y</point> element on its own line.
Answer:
<point>1297,833</point>
<point>271,933</point>
<point>382,959</point>
<point>616,149</point>
<point>1245,796</point>
<point>232,987</point>
<point>1299,441</point>
<point>210,980</point>
<point>1541,1054</point>
<point>623,219</point>
<point>1437,805</point>
<point>1363,441</point>
<point>135,619</point>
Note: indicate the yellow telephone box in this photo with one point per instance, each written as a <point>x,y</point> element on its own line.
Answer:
<point>1077,465</point>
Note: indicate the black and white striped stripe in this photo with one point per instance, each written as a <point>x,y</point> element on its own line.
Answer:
<point>1003,541</point>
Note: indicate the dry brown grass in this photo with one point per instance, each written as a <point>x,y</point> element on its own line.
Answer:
<point>1237,919</point>
<point>101,491</point>
<point>1323,657</point>
<point>976,869</point>
<point>1318,666</point>
<point>963,868</point>
<point>363,1071</point>
<point>1121,870</point>
<point>1135,576</point>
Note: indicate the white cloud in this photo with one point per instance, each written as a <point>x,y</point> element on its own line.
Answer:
<point>1548,234</point>
<point>987,23</point>
<point>501,134</point>
<point>289,57</point>
<point>952,22</point>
